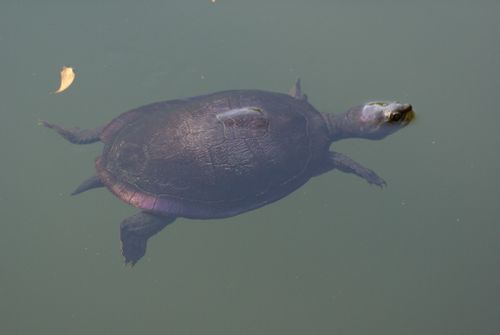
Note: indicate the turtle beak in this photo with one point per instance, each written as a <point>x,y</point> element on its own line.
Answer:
<point>408,114</point>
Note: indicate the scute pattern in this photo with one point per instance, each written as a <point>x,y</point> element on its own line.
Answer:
<point>214,155</point>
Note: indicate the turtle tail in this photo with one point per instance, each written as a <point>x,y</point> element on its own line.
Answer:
<point>76,135</point>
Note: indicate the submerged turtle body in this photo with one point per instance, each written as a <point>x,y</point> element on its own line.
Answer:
<point>222,154</point>
<point>212,156</point>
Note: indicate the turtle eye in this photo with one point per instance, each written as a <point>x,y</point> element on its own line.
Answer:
<point>395,117</point>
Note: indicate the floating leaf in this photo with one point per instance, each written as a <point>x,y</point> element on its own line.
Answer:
<point>67,78</point>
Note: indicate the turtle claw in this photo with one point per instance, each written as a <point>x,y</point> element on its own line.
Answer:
<point>377,182</point>
<point>371,177</point>
<point>133,248</point>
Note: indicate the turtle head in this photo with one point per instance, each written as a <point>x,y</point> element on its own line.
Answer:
<point>374,120</point>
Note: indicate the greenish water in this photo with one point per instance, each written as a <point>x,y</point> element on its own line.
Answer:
<point>421,256</point>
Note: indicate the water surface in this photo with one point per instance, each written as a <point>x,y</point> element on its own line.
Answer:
<point>421,256</point>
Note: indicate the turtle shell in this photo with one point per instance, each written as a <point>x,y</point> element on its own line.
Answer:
<point>212,156</point>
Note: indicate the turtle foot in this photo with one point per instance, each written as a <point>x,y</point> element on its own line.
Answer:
<point>135,232</point>
<point>345,164</point>
<point>133,248</point>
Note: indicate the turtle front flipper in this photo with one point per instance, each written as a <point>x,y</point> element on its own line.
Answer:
<point>76,135</point>
<point>135,232</point>
<point>335,160</point>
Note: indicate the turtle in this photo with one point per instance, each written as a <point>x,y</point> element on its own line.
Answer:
<point>222,154</point>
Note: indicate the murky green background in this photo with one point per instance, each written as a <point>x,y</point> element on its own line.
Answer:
<point>338,256</point>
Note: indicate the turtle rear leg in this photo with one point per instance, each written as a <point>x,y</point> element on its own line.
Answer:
<point>135,232</point>
<point>92,182</point>
<point>76,135</point>
<point>296,91</point>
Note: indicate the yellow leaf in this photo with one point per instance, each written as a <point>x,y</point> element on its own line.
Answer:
<point>67,78</point>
